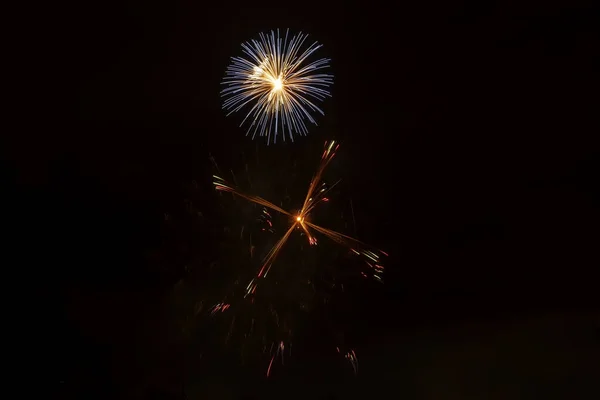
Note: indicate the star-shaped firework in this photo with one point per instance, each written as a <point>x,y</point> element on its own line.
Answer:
<point>316,194</point>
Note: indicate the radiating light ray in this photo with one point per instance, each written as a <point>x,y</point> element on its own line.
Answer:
<point>328,154</point>
<point>372,259</point>
<point>336,236</point>
<point>222,185</point>
<point>268,261</point>
<point>277,84</point>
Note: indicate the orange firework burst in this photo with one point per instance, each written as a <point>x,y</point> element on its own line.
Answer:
<point>316,193</point>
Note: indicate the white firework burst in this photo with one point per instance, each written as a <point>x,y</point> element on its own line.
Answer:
<point>278,85</point>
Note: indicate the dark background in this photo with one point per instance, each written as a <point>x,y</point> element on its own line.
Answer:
<point>469,141</point>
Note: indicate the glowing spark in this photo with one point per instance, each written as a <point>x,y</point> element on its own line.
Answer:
<point>219,307</point>
<point>277,84</point>
<point>279,351</point>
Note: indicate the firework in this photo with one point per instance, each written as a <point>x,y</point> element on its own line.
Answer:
<point>277,84</point>
<point>250,294</point>
<point>316,194</point>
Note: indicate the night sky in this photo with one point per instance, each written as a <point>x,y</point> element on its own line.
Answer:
<point>469,140</point>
